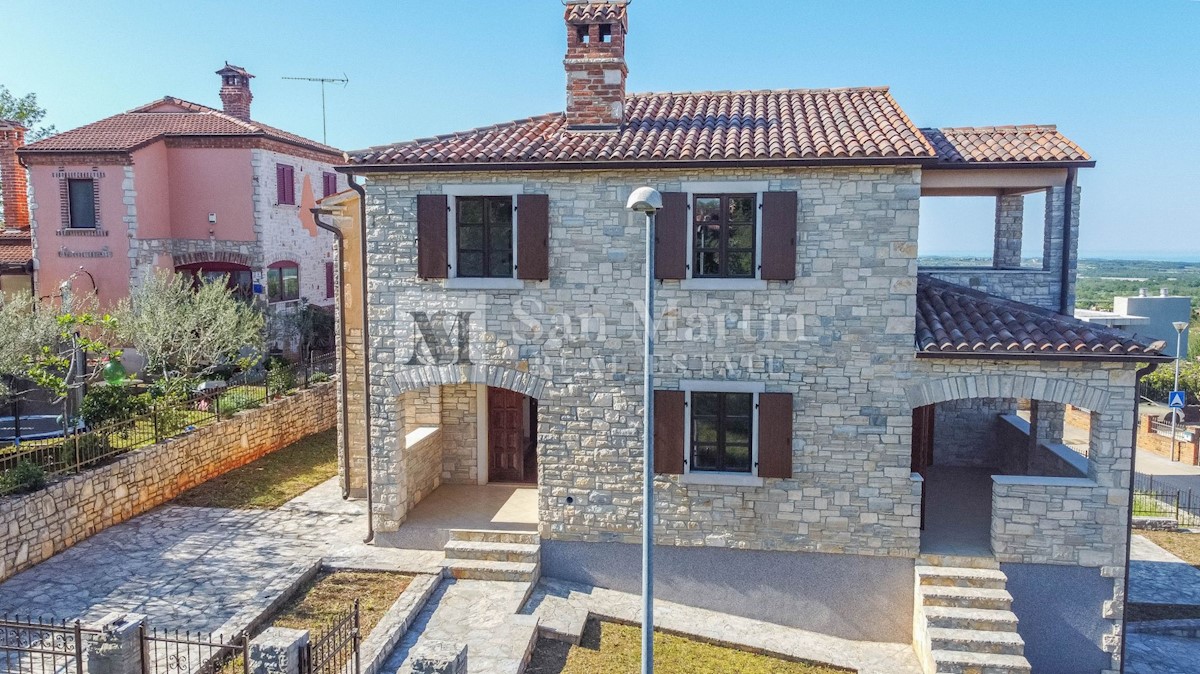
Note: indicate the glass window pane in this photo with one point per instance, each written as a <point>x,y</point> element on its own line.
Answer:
<point>291,283</point>
<point>273,284</point>
<point>499,210</point>
<point>470,237</point>
<point>740,264</point>
<point>81,202</point>
<point>500,265</point>
<point>741,236</point>
<point>470,263</point>
<point>704,430</point>
<point>708,209</point>
<point>470,211</point>
<point>500,237</point>
<point>704,404</point>
<point>737,458</point>
<point>739,404</point>
<point>708,264</point>
<point>741,209</point>
<point>708,236</point>
<point>705,457</point>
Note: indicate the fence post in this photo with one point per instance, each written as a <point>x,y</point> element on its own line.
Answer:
<point>117,649</point>
<point>78,647</point>
<point>357,639</point>
<point>1177,506</point>
<point>154,421</point>
<point>277,650</point>
<point>75,439</point>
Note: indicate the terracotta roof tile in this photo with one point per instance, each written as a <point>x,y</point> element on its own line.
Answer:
<point>602,12</point>
<point>1028,143</point>
<point>129,130</point>
<point>955,319</point>
<point>15,247</point>
<point>799,124</point>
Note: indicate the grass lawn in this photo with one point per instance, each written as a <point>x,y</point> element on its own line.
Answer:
<point>272,480</point>
<point>328,596</point>
<point>612,648</point>
<point>1185,545</point>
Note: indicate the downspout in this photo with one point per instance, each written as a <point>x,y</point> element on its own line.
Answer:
<point>341,243</point>
<point>1137,385</point>
<point>366,331</point>
<point>1064,297</point>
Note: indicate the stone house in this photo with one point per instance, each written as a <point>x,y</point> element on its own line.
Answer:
<point>837,429</point>
<point>179,185</point>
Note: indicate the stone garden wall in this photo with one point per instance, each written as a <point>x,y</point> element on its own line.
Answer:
<point>46,522</point>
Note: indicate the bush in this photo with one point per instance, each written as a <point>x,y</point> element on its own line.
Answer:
<point>22,478</point>
<point>281,378</point>
<point>1158,384</point>
<point>104,404</point>
<point>318,377</point>
<point>93,448</point>
<point>235,401</point>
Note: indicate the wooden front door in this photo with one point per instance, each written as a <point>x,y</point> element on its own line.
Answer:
<point>922,448</point>
<point>508,418</point>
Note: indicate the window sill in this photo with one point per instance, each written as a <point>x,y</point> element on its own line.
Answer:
<point>81,231</point>
<point>722,284</point>
<point>484,284</point>
<point>722,479</point>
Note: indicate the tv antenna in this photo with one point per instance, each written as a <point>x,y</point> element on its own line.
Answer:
<point>343,80</point>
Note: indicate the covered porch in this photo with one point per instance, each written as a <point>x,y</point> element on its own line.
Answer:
<point>490,507</point>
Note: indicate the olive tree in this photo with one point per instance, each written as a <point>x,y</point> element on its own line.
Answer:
<point>186,330</point>
<point>47,345</point>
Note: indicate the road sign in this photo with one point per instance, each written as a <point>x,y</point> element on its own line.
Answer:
<point>1175,400</point>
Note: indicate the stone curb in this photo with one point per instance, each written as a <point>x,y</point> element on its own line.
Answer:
<point>382,640</point>
<point>274,595</point>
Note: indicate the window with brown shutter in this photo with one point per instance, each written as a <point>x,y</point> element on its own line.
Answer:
<point>330,284</point>
<point>533,237</point>
<point>285,185</point>
<point>670,237</point>
<point>775,416</point>
<point>432,217</point>
<point>669,417</point>
<point>723,235</point>
<point>328,183</point>
<point>779,236</point>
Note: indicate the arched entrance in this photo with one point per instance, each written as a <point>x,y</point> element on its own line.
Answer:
<point>238,277</point>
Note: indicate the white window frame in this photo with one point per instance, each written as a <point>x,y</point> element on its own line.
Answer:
<point>489,190</point>
<point>755,187</point>
<point>720,478</point>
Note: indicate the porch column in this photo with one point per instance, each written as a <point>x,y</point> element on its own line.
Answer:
<point>1051,418</point>
<point>1010,213</point>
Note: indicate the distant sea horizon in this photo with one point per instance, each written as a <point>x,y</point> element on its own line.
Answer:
<point>1127,256</point>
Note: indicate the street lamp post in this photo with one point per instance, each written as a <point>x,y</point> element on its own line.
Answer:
<point>1179,326</point>
<point>647,200</point>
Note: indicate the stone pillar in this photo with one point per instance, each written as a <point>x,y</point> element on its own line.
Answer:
<point>277,651</point>
<point>117,649</point>
<point>1050,420</point>
<point>439,657</point>
<point>1010,214</point>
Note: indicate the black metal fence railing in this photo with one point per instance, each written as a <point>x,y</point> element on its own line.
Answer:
<point>175,652</point>
<point>1154,499</point>
<point>39,646</point>
<point>26,465</point>
<point>335,649</point>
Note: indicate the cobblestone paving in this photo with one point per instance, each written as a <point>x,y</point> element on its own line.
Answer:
<point>558,602</point>
<point>1161,654</point>
<point>478,613</point>
<point>1159,577</point>
<point>194,568</point>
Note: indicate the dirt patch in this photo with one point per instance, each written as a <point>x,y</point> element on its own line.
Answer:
<point>330,594</point>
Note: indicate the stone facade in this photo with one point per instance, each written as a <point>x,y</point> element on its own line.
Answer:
<point>48,521</point>
<point>967,432</point>
<point>1010,216</point>
<point>460,424</point>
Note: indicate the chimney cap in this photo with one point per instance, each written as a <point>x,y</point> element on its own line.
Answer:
<point>12,124</point>
<point>231,69</point>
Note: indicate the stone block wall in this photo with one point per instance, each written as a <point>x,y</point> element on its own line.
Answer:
<point>1010,216</point>
<point>423,462</point>
<point>460,444</point>
<point>966,432</point>
<point>66,512</point>
<point>1055,520</point>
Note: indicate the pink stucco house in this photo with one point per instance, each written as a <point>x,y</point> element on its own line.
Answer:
<point>178,185</point>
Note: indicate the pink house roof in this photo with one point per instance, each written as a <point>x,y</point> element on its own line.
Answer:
<point>166,117</point>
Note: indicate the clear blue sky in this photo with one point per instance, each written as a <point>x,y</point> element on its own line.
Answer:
<point>1120,78</point>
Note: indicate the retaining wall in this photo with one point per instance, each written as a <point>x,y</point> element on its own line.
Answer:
<point>39,525</point>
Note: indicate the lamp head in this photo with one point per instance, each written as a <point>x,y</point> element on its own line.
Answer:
<point>644,200</point>
<point>1180,326</point>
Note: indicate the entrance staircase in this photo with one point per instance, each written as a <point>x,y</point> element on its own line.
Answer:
<point>493,555</point>
<point>963,622</point>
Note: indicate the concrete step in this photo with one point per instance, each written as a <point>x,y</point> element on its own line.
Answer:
<point>966,597</point>
<point>490,536</point>
<point>478,569</point>
<point>962,561</point>
<point>955,618</point>
<point>962,662</point>
<point>976,641</point>
<point>493,552</point>
<point>962,577</point>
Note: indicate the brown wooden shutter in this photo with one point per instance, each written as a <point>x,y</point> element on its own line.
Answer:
<point>533,237</point>
<point>775,435</point>
<point>778,236</point>
<point>432,257</point>
<point>670,237</point>
<point>668,432</point>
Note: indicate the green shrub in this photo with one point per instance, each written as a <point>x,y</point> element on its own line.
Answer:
<point>281,378</point>
<point>22,478</point>
<point>318,377</point>
<point>105,404</point>
<point>92,449</point>
<point>235,401</point>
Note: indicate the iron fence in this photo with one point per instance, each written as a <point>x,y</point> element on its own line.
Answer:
<point>41,646</point>
<point>335,649</point>
<point>24,466</point>
<point>1154,499</point>
<point>175,652</point>
<point>1182,432</point>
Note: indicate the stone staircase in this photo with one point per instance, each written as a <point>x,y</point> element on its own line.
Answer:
<point>963,622</point>
<point>493,555</point>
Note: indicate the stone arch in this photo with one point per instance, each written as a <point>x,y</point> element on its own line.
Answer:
<point>1030,387</point>
<point>215,256</point>
<point>500,376</point>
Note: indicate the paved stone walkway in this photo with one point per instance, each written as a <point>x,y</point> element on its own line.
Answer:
<point>1159,577</point>
<point>196,568</point>
<point>557,602</point>
<point>478,613</point>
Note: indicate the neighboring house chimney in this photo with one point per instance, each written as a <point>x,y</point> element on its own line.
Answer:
<point>235,91</point>
<point>14,184</point>
<point>595,64</point>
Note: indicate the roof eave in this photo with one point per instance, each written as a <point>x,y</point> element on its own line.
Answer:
<point>631,164</point>
<point>960,165</point>
<point>1053,356</point>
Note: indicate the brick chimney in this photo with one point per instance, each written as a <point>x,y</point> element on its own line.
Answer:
<point>14,184</point>
<point>595,64</point>
<point>235,91</point>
